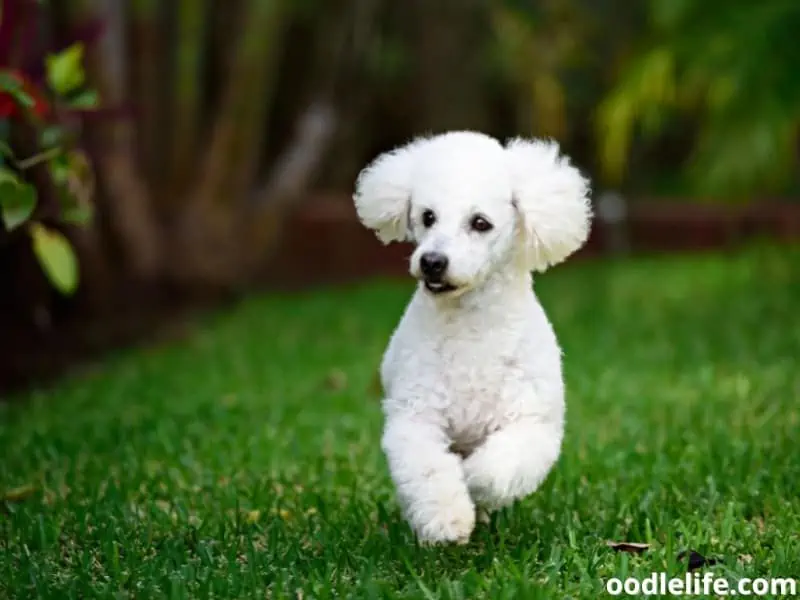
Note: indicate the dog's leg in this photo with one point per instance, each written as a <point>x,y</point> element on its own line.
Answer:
<point>512,462</point>
<point>429,480</point>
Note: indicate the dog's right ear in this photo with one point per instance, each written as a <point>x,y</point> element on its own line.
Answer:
<point>383,193</point>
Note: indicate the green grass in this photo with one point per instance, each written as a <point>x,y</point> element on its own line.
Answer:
<point>244,461</point>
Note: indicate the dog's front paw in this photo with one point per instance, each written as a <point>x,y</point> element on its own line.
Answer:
<point>447,530</point>
<point>512,463</point>
<point>450,524</point>
<point>491,484</point>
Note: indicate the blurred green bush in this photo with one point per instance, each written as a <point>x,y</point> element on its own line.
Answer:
<point>730,71</point>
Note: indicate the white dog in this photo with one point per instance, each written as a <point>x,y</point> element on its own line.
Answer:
<point>474,396</point>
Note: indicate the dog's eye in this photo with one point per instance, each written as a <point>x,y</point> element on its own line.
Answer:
<point>428,218</point>
<point>480,224</point>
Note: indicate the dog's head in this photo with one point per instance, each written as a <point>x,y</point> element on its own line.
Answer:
<point>473,206</point>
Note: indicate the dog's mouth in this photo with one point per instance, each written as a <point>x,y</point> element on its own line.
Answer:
<point>438,287</point>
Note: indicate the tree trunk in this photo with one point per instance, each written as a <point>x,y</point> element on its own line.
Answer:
<point>149,75</point>
<point>447,41</point>
<point>208,240</point>
<point>113,149</point>
<point>188,88</point>
<point>228,167</point>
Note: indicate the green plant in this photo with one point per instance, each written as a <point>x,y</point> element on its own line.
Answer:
<point>731,68</point>
<point>533,55</point>
<point>37,117</point>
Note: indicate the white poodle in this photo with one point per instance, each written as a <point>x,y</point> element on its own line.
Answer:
<point>474,396</point>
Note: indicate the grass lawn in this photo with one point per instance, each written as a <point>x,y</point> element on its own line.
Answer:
<point>244,461</point>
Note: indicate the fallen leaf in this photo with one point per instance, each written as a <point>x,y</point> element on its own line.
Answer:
<point>18,494</point>
<point>760,525</point>
<point>253,516</point>
<point>696,560</point>
<point>195,521</point>
<point>634,547</point>
<point>336,380</point>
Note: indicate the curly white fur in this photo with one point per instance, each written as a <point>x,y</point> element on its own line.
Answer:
<point>474,396</point>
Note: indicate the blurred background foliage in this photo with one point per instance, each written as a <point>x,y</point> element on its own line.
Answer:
<point>725,71</point>
<point>208,120</point>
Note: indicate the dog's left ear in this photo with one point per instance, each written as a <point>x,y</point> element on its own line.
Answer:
<point>552,198</point>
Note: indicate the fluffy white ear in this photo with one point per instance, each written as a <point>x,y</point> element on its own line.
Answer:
<point>552,198</point>
<point>383,193</point>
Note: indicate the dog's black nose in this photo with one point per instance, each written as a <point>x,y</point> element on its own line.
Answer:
<point>433,264</point>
